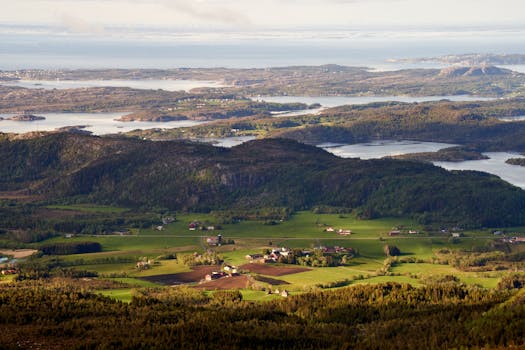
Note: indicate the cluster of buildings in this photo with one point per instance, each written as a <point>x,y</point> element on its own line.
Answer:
<point>6,272</point>
<point>214,240</point>
<point>399,232</point>
<point>144,264</point>
<point>227,271</point>
<point>341,231</point>
<point>513,240</point>
<point>274,255</point>
<point>335,250</point>
<point>196,225</point>
<point>271,257</point>
<point>284,293</point>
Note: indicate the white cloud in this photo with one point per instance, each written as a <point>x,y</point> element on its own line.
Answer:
<point>88,15</point>
<point>77,25</point>
<point>207,11</point>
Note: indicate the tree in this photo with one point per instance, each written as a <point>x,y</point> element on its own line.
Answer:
<point>391,250</point>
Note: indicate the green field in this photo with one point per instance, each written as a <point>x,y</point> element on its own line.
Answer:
<point>302,230</point>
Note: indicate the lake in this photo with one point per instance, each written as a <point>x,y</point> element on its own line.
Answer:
<point>144,84</point>
<point>496,165</point>
<point>97,123</point>
<point>384,148</point>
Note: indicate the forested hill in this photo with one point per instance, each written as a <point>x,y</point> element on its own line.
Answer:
<point>266,173</point>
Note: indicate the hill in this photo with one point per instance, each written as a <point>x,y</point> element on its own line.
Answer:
<point>473,71</point>
<point>187,176</point>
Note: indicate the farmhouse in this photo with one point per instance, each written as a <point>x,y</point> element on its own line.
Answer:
<point>331,250</point>
<point>214,275</point>
<point>143,265</point>
<point>230,269</point>
<point>329,229</point>
<point>394,233</point>
<point>214,241</point>
<point>517,240</point>
<point>344,232</point>
<point>275,254</point>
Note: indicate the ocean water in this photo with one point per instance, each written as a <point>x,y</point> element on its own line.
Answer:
<point>145,84</point>
<point>513,119</point>
<point>334,101</point>
<point>170,50</point>
<point>97,123</point>
<point>495,165</point>
<point>383,148</point>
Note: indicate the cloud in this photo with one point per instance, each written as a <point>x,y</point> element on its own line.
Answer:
<point>205,11</point>
<point>79,26</point>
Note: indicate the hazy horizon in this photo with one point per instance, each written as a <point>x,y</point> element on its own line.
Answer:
<point>249,33</point>
<point>94,16</point>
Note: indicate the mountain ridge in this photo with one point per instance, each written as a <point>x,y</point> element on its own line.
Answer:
<point>189,176</point>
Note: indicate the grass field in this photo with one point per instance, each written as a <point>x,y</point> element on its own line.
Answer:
<point>302,230</point>
<point>123,295</point>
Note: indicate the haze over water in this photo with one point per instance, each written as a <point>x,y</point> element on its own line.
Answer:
<point>41,49</point>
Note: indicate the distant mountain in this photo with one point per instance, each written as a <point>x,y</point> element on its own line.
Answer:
<point>266,173</point>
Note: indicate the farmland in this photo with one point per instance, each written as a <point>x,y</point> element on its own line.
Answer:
<point>416,265</point>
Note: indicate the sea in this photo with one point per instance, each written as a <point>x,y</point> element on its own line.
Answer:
<point>378,50</point>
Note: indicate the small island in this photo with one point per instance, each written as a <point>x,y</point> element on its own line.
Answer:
<point>451,154</point>
<point>26,117</point>
<point>75,129</point>
<point>151,116</point>
<point>516,161</point>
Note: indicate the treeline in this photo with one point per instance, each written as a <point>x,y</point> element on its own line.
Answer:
<point>30,223</point>
<point>394,316</point>
<point>67,248</point>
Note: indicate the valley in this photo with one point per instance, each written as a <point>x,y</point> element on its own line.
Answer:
<point>293,205</point>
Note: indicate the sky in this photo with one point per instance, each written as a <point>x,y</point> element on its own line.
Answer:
<point>97,16</point>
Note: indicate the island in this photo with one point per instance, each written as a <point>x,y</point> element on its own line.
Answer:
<point>26,118</point>
<point>451,154</point>
<point>516,161</point>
